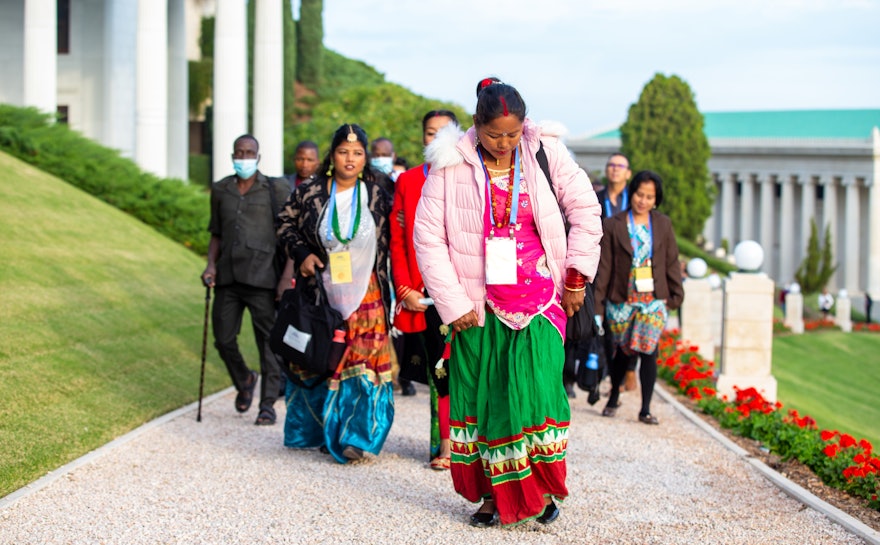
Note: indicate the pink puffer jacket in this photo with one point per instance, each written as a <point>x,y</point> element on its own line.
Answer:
<point>448,234</point>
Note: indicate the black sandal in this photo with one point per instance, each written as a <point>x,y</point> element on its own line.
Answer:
<point>266,417</point>
<point>246,395</point>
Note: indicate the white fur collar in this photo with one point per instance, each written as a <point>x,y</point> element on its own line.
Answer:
<point>441,152</point>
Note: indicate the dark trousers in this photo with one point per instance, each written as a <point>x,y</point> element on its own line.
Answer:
<point>229,305</point>
<point>647,376</point>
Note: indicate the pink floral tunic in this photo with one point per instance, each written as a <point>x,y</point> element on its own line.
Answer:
<point>534,293</point>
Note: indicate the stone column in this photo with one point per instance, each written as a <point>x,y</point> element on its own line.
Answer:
<point>768,224</point>
<point>40,55</point>
<point>710,232</point>
<point>230,82</point>
<point>269,86</point>
<point>696,316</point>
<point>178,97</point>
<point>794,312</point>
<point>151,119</point>
<point>873,280</point>
<point>829,219</point>
<point>747,209</point>
<point>786,233</point>
<point>120,77</point>
<point>850,257</point>
<point>728,209</point>
<point>843,311</point>
<point>747,348</point>
<point>808,210</point>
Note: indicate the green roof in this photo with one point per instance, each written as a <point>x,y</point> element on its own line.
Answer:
<point>785,124</point>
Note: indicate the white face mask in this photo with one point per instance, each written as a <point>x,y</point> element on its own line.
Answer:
<point>383,164</point>
<point>244,168</point>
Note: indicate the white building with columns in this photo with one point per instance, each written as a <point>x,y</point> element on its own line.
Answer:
<point>774,172</point>
<point>116,71</point>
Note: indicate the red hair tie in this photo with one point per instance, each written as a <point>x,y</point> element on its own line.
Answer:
<point>486,82</point>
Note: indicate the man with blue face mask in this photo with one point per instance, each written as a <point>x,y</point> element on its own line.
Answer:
<point>241,269</point>
<point>382,158</point>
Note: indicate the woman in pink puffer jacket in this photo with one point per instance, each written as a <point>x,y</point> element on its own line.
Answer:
<point>505,277</point>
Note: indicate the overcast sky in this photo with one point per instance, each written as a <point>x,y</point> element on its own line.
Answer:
<point>584,62</point>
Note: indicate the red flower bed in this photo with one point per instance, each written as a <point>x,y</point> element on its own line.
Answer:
<point>837,458</point>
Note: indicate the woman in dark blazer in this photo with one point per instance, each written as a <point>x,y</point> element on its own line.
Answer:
<point>638,283</point>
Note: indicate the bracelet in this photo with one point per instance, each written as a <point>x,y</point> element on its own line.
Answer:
<point>574,281</point>
<point>575,289</point>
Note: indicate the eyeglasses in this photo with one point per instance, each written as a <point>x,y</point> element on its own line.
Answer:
<point>616,165</point>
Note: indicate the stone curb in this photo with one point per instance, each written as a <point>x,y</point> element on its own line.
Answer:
<point>53,476</point>
<point>794,490</point>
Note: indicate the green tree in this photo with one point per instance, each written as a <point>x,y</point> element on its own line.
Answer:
<point>818,265</point>
<point>663,132</point>
<point>289,63</point>
<point>310,43</point>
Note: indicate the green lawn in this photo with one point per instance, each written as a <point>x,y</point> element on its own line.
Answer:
<point>100,324</point>
<point>833,377</point>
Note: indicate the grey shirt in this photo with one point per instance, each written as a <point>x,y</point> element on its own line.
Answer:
<point>246,227</point>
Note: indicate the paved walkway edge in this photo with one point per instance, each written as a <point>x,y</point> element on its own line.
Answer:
<point>53,476</point>
<point>794,490</point>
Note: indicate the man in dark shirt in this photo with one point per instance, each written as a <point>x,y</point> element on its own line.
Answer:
<point>613,198</point>
<point>241,269</point>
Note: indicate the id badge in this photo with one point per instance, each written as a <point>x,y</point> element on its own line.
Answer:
<point>500,261</point>
<point>644,277</point>
<point>340,267</point>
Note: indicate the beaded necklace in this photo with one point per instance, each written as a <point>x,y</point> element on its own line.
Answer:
<point>505,216</point>
<point>334,215</point>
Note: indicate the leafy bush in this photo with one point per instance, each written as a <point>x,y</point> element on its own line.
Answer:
<point>174,208</point>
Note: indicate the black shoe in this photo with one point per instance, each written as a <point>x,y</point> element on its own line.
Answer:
<point>246,395</point>
<point>484,520</point>
<point>407,388</point>
<point>648,419</point>
<point>551,513</point>
<point>353,453</point>
<point>266,417</point>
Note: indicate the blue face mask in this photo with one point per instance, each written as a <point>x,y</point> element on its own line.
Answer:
<point>383,164</point>
<point>244,168</point>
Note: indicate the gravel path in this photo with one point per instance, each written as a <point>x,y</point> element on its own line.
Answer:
<point>225,480</point>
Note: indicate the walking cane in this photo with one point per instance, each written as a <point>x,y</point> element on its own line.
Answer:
<point>204,347</point>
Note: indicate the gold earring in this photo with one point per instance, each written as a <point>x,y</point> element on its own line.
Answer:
<point>330,171</point>
<point>361,175</point>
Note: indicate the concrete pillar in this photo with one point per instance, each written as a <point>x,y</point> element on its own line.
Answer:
<point>767,227</point>
<point>230,82</point>
<point>151,119</point>
<point>178,92</point>
<point>747,349</point>
<point>710,231</point>
<point>808,210</point>
<point>728,209</point>
<point>269,86</point>
<point>40,55</point>
<point>696,316</point>
<point>794,312</point>
<point>843,311</point>
<point>850,257</point>
<point>786,232</point>
<point>747,209</point>
<point>120,77</point>
<point>873,280</point>
<point>829,219</point>
<point>716,310</point>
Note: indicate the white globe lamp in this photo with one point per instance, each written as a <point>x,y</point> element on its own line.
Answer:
<point>714,281</point>
<point>697,268</point>
<point>794,288</point>
<point>749,256</point>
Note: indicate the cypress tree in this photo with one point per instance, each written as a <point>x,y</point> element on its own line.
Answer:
<point>310,43</point>
<point>663,132</point>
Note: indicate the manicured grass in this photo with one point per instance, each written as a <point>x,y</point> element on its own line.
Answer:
<point>100,324</point>
<point>833,377</point>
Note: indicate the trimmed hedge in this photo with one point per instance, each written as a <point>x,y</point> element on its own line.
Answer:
<point>171,206</point>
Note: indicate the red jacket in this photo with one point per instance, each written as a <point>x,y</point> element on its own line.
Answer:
<point>404,268</point>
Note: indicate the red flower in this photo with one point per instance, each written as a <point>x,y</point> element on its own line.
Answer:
<point>847,441</point>
<point>828,435</point>
<point>831,451</point>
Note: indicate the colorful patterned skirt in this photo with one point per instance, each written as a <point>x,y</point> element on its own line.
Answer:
<point>509,416</point>
<point>357,403</point>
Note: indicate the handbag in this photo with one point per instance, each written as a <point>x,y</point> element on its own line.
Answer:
<point>308,334</point>
<point>581,326</point>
